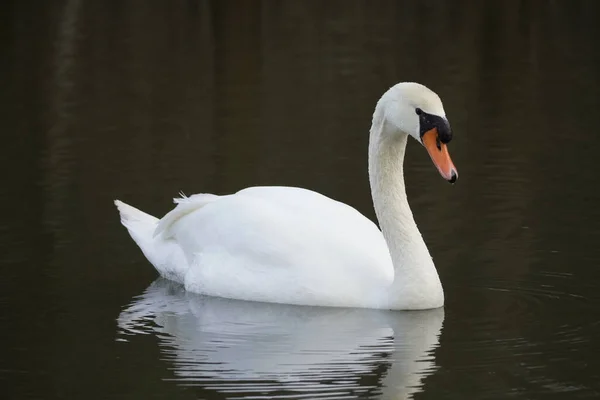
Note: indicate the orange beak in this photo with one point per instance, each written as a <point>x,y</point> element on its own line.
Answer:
<point>438,152</point>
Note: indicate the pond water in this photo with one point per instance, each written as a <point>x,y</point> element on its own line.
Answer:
<point>138,101</point>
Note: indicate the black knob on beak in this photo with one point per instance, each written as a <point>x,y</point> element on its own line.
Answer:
<point>454,177</point>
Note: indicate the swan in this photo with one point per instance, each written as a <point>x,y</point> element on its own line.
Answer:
<point>279,244</point>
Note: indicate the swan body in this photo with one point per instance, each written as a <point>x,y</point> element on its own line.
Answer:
<point>295,246</point>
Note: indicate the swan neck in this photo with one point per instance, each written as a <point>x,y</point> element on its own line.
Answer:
<point>386,176</point>
<point>416,283</point>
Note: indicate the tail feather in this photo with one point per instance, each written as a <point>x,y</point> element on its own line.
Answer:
<point>140,226</point>
<point>131,217</point>
<point>166,256</point>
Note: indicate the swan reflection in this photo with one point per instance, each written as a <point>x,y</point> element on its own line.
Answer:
<point>258,349</point>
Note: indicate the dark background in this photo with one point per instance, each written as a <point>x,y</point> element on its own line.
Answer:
<point>139,100</point>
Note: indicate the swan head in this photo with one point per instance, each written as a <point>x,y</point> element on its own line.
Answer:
<point>418,111</point>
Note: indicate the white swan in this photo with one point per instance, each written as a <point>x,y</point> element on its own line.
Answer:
<point>296,246</point>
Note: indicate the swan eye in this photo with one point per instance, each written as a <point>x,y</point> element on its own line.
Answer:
<point>418,111</point>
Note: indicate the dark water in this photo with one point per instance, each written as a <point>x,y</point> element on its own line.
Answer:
<point>139,100</point>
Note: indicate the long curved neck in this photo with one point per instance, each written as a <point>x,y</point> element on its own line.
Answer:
<point>416,284</point>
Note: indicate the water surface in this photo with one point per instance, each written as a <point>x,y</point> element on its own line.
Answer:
<point>139,100</point>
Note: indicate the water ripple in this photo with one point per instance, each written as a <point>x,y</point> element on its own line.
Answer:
<point>534,331</point>
<point>253,350</point>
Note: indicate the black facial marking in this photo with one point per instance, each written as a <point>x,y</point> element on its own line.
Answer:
<point>429,121</point>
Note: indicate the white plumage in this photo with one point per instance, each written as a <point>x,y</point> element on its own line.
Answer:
<point>295,246</point>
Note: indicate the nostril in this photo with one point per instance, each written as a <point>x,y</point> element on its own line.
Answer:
<point>454,177</point>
